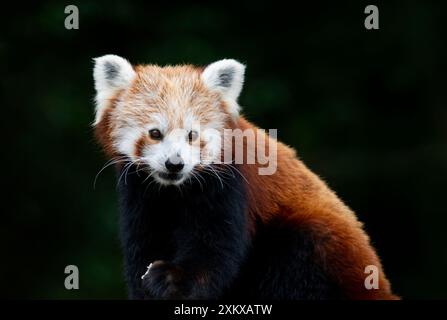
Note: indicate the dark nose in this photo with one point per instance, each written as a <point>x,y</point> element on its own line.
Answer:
<point>175,166</point>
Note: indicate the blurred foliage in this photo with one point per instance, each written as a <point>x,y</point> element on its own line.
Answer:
<point>365,109</point>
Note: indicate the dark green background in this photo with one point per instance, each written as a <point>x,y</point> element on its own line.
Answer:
<point>365,109</point>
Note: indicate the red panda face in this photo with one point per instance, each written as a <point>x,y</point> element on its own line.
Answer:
<point>168,120</point>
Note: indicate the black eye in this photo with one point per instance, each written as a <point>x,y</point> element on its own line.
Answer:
<point>192,135</point>
<point>155,134</point>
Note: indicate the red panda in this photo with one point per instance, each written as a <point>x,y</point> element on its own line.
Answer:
<point>213,229</point>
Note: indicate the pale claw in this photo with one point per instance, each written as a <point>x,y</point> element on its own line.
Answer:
<point>147,271</point>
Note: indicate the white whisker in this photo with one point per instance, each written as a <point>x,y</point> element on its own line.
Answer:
<point>109,163</point>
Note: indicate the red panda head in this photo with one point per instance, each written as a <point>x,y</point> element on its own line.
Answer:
<point>168,119</point>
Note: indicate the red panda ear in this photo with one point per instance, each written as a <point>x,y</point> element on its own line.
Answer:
<point>227,77</point>
<point>111,73</point>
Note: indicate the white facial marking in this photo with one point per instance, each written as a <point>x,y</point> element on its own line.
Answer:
<point>126,139</point>
<point>176,148</point>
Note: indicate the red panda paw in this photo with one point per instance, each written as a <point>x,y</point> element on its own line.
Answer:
<point>164,280</point>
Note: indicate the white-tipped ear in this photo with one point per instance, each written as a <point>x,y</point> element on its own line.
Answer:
<point>111,73</point>
<point>227,77</point>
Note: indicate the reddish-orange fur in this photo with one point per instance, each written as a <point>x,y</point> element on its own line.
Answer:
<point>300,197</point>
